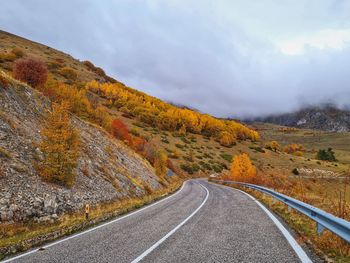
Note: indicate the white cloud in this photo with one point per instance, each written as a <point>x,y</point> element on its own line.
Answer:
<point>336,39</point>
<point>228,58</point>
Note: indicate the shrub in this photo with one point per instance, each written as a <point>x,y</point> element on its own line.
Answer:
<point>180,146</point>
<point>53,65</point>
<point>326,155</point>
<point>31,71</point>
<point>295,171</point>
<point>120,130</point>
<point>7,57</point>
<point>165,141</point>
<point>185,140</point>
<point>135,132</point>
<point>273,146</point>
<point>217,168</point>
<point>227,157</point>
<point>60,147</point>
<point>296,149</point>
<point>100,72</point>
<point>139,144</point>
<point>257,148</point>
<point>68,73</point>
<point>206,155</point>
<point>18,52</point>
<point>190,168</point>
<point>89,65</point>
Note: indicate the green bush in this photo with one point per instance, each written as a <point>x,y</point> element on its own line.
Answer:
<point>226,156</point>
<point>165,141</point>
<point>190,168</point>
<point>185,140</point>
<point>326,155</point>
<point>69,73</point>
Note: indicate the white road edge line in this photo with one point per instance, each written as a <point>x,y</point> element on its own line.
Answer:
<point>94,228</point>
<point>160,241</point>
<point>304,258</point>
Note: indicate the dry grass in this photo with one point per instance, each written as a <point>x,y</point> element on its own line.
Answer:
<point>11,44</point>
<point>329,195</point>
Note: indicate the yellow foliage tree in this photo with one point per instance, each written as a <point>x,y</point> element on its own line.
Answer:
<point>60,147</point>
<point>273,146</point>
<point>160,163</point>
<point>227,139</point>
<point>242,168</point>
<point>166,116</point>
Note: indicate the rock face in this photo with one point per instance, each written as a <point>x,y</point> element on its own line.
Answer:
<point>326,118</point>
<point>107,170</point>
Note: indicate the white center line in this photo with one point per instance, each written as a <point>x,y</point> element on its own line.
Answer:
<point>160,241</point>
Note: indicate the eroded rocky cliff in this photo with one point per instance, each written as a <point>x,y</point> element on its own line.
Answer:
<point>107,170</point>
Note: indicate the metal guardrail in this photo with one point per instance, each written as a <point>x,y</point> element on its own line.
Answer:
<point>323,219</point>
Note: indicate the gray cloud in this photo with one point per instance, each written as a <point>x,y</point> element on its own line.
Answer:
<point>221,57</point>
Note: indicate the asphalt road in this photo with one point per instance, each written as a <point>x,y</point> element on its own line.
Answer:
<point>201,223</point>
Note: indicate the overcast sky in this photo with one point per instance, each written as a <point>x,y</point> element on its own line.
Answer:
<point>227,58</point>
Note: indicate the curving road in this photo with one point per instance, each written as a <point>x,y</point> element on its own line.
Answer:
<point>200,223</point>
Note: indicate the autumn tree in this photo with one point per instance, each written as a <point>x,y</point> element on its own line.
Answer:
<point>120,130</point>
<point>295,149</point>
<point>242,169</point>
<point>160,163</point>
<point>60,147</point>
<point>31,71</point>
<point>157,158</point>
<point>139,144</point>
<point>227,139</point>
<point>273,146</point>
<point>165,116</point>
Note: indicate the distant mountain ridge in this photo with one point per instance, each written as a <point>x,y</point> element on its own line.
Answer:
<point>325,117</point>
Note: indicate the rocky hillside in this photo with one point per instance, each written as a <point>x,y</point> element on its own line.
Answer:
<point>326,118</point>
<point>107,169</point>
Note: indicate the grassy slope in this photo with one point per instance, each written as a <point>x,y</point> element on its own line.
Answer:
<point>207,151</point>
<point>49,55</point>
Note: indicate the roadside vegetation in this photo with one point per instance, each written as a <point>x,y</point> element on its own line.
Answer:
<point>332,196</point>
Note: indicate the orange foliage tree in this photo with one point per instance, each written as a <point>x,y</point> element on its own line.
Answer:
<point>242,169</point>
<point>121,131</point>
<point>60,147</point>
<point>31,71</point>
<point>296,149</point>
